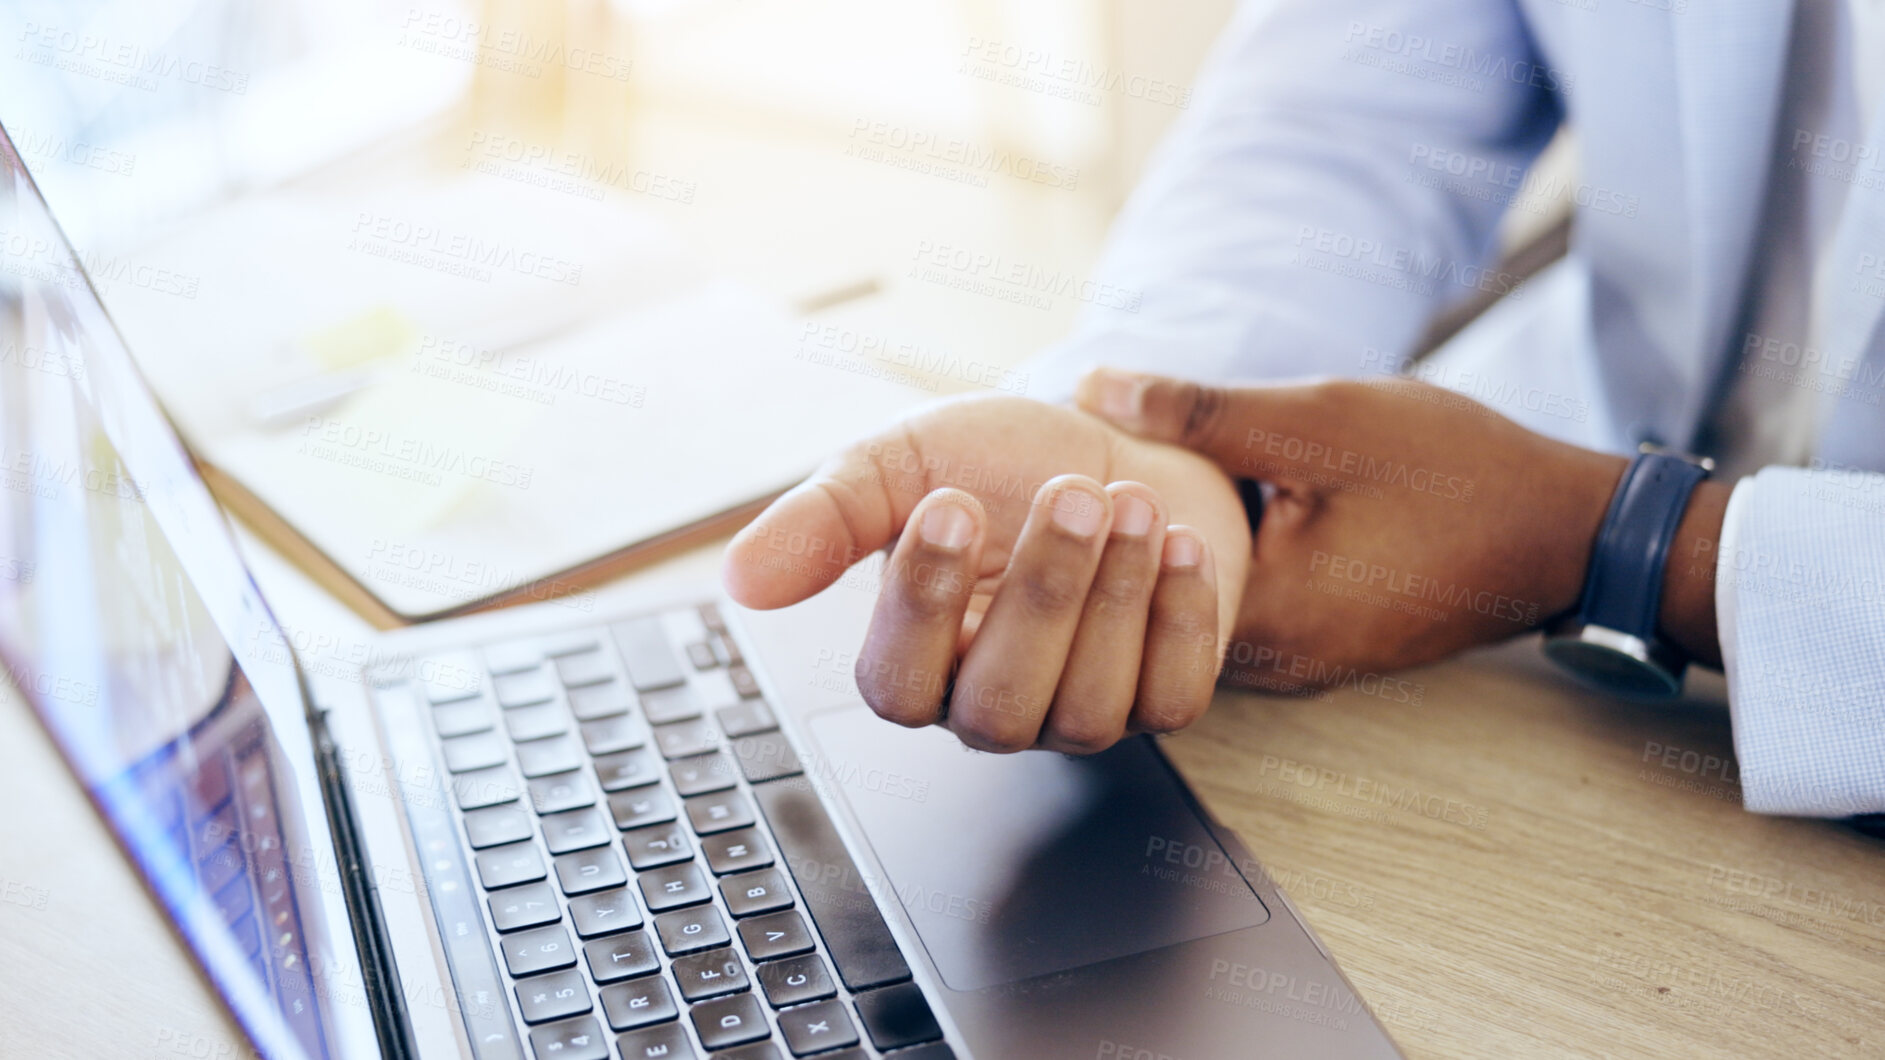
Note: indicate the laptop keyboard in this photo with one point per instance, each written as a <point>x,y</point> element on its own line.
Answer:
<point>661,881</point>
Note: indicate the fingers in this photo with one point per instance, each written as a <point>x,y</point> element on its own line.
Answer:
<point>1098,684</point>
<point>1006,681</point>
<point>806,539</point>
<point>910,649</point>
<point>1247,429</point>
<point>1179,669</point>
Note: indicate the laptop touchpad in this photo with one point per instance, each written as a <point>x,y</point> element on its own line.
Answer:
<point>1013,866</point>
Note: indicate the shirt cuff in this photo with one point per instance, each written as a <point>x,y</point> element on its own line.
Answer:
<point>1800,611</point>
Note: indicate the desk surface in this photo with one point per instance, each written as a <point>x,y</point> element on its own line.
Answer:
<point>1504,867</point>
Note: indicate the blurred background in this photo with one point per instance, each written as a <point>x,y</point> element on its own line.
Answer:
<point>418,280</point>
<point>491,289</point>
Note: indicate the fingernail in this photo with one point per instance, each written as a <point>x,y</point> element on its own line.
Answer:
<point>1182,550</point>
<point>1079,512</point>
<point>947,526</point>
<point>1131,516</point>
<point>1119,395</point>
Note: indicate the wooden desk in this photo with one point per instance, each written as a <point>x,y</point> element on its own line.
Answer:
<point>1507,867</point>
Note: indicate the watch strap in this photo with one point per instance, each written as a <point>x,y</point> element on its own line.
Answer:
<point>1623,588</point>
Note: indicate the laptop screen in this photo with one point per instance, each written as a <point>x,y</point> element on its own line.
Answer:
<point>129,624</point>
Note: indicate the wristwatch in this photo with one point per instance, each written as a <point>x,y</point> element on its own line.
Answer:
<point>1610,639</point>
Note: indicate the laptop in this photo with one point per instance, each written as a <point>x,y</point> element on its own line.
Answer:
<point>669,832</point>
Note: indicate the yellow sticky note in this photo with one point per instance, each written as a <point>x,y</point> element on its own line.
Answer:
<point>381,331</point>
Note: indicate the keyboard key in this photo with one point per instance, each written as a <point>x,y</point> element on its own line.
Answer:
<point>627,769</point>
<point>687,930</point>
<point>710,617</point>
<point>522,907</point>
<point>600,700</point>
<point>673,887</point>
<point>815,1028</point>
<point>736,851</point>
<point>536,722</point>
<point>563,791</point>
<point>766,1051</point>
<point>497,824</point>
<point>765,756</point>
<point>756,892</point>
<point>743,682</point>
<point>641,807</point>
<point>720,812</point>
<point>478,751</point>
<point>670,704</point>
<point>513,656</point>
<point>684,738</point>
<point>651,662</point>
<point>558,754</point>
<point>544,949</point>
<point>450,678</point>
<point>590,870</point>
<point>621,956</point>
<point>896,1016</point>
<point>463,718</point>
<point>553,997</point>
<point>638,1003</point>
<point>700,653</point>
<point>507,866</point>
<point>730,1021</point>
<point>486,787</point>
<point>576,830</point>
<point>776,935</point>
<point>665,1042</point>
<point>523,689</point>
<point>710,974</point>
<point>601,914</point>
<point>663,844</point>
<point>715,689</point>
<point>854,931</point>
<point>570,642</point>
<point>613,734</point>
<point>585,668</point>
<point>746,718</point>
<point>796,980</point>
<point>725,649</point>
<point>578,1039</point>
<point>697,776</point>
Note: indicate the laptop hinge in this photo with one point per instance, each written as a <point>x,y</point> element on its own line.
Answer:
<point>381,975</point>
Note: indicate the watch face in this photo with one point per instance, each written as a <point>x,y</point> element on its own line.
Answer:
<point>1611,670</point>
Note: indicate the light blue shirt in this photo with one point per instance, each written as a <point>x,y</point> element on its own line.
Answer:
<point>1339,178</point>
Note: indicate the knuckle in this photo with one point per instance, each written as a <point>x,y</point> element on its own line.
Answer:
<point>1119,591</point>
<point>1052,590</point>
<point>902,705</point>
<point>994,718</point>
<point>1183,625</point>
<point>983,734</point>
<point>1167,712</point>
<point>1083,735</point>
<point>929,602</point>
<point>1199,409</point>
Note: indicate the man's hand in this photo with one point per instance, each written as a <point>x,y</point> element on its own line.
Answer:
<point>1407,522</point>
<point>1076,582</point>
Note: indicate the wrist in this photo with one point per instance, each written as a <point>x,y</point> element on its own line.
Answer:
<point>1687,616</point>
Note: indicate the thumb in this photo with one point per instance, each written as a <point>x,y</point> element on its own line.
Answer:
<point>852,506</point>
<point>1231,425</point>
